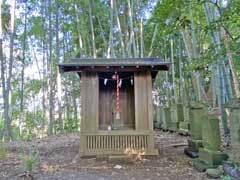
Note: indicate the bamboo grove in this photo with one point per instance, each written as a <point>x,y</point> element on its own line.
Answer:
<point>199,37</point>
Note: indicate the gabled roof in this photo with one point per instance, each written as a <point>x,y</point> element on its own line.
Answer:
<point>113,64</point>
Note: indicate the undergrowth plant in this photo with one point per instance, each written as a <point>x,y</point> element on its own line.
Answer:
<point>3,153</point>
<point>226,178</point>
<point>30,162</point>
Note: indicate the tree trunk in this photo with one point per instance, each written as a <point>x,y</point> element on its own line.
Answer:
<point>44,64</point>
<point>192,53</point>
<point>6,99</point>
<point>2,66</point>
<point>215,35</point>
<point>142,49</point>
<point>141,38</point>
<point>173,74</point>
<point>2,60</point>
<point>153,40</point>
<point>79,31</point>
<point>110,51</point>
<point>67,112</point>
<point>103,35</point>
<point>51,118</point>
<point>132,34</point>
<point>119,28</point>
<point>92,29</point>
<point>21,119</point>
<point>181,83</point>
<point>59,86</point>
<point>231,65</point>
<point>75,116</point>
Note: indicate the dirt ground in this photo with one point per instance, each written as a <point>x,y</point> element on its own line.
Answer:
<point>56,161</point>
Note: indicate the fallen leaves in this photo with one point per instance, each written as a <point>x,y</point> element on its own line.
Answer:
<point>49,168</point>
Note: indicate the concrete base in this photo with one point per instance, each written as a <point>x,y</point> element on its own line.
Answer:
<point>194,144</point>
<point>183,132</point>
<point>120,159</point>
<point>95,153</point>
<point>166,119</point>
<point>193,147</point>
<point>157,125</point>
<point>117,142</point>
<point>184,125</point>
<point>174,126</point>
<point>200,165</point>
<point>212,158</point>
<point>165,126</point>
<point>214,173</point>
<point>102,158</point>
<point>183,128</point>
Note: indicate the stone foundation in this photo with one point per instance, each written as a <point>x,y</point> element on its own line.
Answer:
<point>210,155</point>
<point>183,128</point>
<point>196,115</point>
<point>166,122</point>
<point>212,158</point>
<point>194,144</point>
<point>234,116</point>
<point>176,116</point>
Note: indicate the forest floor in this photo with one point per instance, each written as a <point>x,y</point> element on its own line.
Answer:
<point>56,161</point>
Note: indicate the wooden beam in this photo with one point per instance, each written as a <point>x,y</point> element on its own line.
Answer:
<point>112,68</point>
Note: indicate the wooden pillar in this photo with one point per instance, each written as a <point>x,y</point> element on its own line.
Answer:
<point>90,98</point>
<point>150,101</point>
<point>142,114</point>
<point>143,100</point>
<point>144,107</point>
<point>89,108</point>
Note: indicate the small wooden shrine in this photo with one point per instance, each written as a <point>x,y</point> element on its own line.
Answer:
<point>116,104</point>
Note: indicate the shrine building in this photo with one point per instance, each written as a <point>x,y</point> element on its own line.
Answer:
<point>116,104</point>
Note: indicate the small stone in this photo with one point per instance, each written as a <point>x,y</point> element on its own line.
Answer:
<point>214,173</point>
<point>75,159</point>
<point>147,169</point>
<point>118,167</point>
<point>201,166</point>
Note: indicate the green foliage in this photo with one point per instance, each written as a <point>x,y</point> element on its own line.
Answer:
<point>5,17</point>
<point>226,178</point>
<point>70,125</point>
<point>33,86</point>
<point>32,125</point>
<point>30,162</point>
<point>3,152</point>
<point>1,128</point>
<point>36,27</point>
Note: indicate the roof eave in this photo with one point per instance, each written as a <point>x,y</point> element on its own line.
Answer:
<point>108,68</point>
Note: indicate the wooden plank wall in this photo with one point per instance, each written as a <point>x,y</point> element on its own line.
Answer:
<point>106,105</point>
<point>143,100</point>
<point>107,101</point>
<point>97,107</point>
<point>90,99</point>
